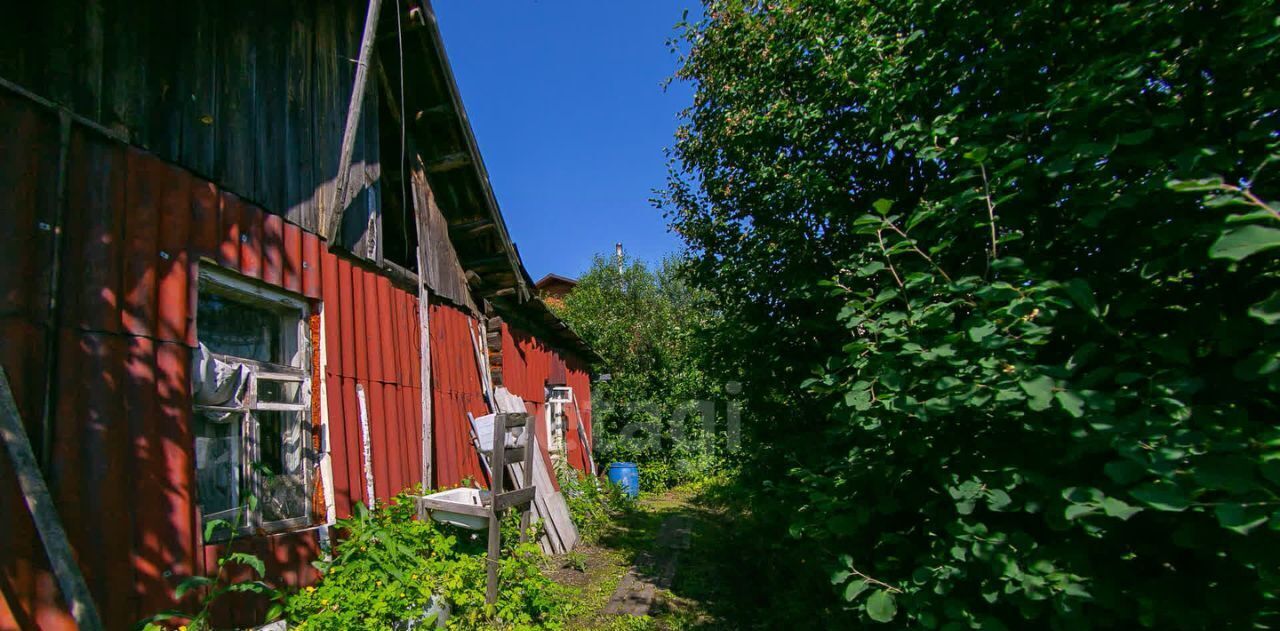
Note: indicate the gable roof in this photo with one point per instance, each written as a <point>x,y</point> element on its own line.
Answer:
<point>456,172</point>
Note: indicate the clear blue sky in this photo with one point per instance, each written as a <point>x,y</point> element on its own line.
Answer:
<point>567,103</point>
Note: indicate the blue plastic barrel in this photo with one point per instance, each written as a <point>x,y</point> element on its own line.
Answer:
<point>627,476</point>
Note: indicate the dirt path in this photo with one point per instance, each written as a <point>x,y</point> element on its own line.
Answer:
<point>652,569</point>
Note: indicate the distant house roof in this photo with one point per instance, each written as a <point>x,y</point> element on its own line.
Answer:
<point>551,280</point>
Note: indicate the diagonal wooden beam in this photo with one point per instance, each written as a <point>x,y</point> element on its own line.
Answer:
<point>353,120</point>
<point>43,512</point>
<point>449,162</point>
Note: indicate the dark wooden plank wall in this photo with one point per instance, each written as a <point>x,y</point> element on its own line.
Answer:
<point>251,94</point>
<point>444,274</point>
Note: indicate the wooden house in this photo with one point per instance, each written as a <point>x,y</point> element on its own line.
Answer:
<point>181,328</point>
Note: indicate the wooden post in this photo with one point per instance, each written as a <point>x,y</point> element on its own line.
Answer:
<point>421,210</point>
<point>43,513</point>
<point>424,334</point>
<point>369,497</point>
<point>497,467</point>
<point>353,119</point>
<point>530,446</point>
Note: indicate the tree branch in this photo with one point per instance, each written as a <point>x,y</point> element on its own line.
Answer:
<point>991,209</point>
<point>885,251</point>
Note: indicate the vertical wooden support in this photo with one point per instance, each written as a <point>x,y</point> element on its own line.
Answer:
<point>530,448</point>
<point>369,497</point>
<point>421,208</point>
<point>497,469</point>
<point>586,444</point>
<point>424,333</point>
<point>353,119</point>
<point>55,287</point>
<point>43,513</point>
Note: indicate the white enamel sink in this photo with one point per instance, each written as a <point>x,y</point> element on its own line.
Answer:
<point>469,511</point>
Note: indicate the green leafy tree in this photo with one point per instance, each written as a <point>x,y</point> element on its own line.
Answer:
<point>1000,282</point>
<point>646,324</point>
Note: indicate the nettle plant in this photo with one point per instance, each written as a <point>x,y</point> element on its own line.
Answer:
<point>1001,288</point>
<point>389,566</point>
<point>239,573</point>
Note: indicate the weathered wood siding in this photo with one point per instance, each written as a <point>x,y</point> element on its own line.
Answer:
<point>444,274</point>
<point>251,94</point>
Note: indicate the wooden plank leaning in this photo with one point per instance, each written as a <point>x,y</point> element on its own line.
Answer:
<point>36,494</point>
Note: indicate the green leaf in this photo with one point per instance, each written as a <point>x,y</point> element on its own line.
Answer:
<point>979,333</point>
<point>1195,186</point>
<point>1240,243</point>
<point>189,583</point>
<point>1240,518</point>
<point>1114,507</point>
<point>274,612</point>
<point>212,525</point>
<point>1076,511</point>
<point>1135,137</point>
<point>251,560</point>
<point>1268,310</point>
<point>977,154</point>
<point>882,206</point>
<point>1082,295</point>
<point>1071,402</point>
<point>1162,495</point>
<point>881,606</point>
<point>998,500</point>
<point>1040,391</point>
<point>854,588</point>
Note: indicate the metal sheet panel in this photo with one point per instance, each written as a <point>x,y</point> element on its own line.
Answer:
<point>251,232</point>
<point>455,391</point>
<point>229,234</point>
<point>529,364</point>
<point>292,258</point>
<point>273,250</point>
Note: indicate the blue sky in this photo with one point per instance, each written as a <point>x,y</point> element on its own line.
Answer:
<point>567,102</point>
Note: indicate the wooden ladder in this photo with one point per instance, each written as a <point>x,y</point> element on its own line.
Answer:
<point>499,498</point>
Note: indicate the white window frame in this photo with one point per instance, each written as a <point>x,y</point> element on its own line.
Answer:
<point>296,343</point>
<point>556,419</point>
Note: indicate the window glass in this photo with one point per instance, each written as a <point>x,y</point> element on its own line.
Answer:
<point>281,463</point>
<point>262,450</point>
<point>230,327</point>
<point>219,460</point>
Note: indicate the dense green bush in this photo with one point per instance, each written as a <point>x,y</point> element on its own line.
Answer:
<point>997,280</point>
<point>388,566</point>
<point>647,323</point>
<point>592,503</point>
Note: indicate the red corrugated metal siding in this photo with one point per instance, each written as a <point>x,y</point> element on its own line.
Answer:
<point>527,366</point>
<point>370,324</point>
<point>123,461</point>
<point>455,391</point>
<point>580,381</point>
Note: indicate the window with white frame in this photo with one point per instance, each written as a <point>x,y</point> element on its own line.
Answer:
<point>558,400</point>
<point>252,406</point>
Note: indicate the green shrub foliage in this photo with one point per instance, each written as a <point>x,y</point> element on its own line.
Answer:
<point>646,323</point>
<point>1000,282</point>
<point>388,567</point>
